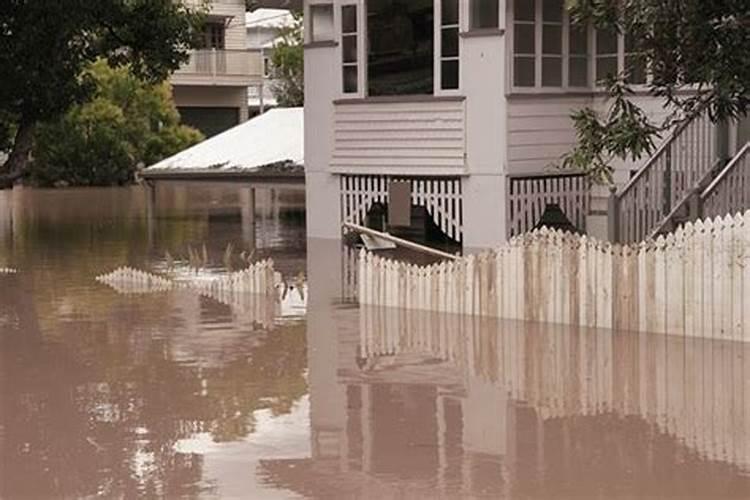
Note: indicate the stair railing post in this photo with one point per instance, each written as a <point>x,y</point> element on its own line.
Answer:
<point>667,192</point>
<point>695,205</point>
<point>613,217</point>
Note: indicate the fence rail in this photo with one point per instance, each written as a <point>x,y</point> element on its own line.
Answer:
<point>528,196</point>
<point>695,282</point>
<point>676,168</point>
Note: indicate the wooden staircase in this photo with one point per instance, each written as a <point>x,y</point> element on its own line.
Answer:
<point>686,179</point>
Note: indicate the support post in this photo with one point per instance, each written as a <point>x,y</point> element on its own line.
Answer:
<point>613,217</point>
<point>150,193</point>
<point>247,209</point>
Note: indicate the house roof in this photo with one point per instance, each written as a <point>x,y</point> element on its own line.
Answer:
<point>273,139</point>
<point>268,18</point>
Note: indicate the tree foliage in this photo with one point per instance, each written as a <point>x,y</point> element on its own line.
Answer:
<point>46,45</point>
<point>698,55</point>
<point>288,66</point>
<point>128,122</point>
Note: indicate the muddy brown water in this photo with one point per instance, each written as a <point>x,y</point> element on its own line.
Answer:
<point>181,396</point>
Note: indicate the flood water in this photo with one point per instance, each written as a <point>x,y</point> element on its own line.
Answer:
<point>179,395</point>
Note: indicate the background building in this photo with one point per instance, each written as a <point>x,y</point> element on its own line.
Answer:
<point>211,89</point>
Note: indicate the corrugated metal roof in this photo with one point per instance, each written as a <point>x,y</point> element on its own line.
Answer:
<point>273,138</point>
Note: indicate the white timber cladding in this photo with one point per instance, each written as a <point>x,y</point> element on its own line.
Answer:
<point>409,138</point>
<point>441,197</point>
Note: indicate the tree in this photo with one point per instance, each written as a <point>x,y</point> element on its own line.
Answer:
<point>698,46</point>
<point>288,65</point>
<point>46,45</point>
<point>128,122</point>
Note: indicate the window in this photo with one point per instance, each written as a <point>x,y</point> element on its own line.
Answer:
<point>349,52</point>
<point>400,35</point>
<point>551,52</point>
<point>321,22</point>
<point>212,36</point>
<point>635,63</point>
<point>524,43</point>
<point>578,58</point>
<point>449,65</point>
<point>552,29</point>
<point>484,14</point>
<point>606,55</point>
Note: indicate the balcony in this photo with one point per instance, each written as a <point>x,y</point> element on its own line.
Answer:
<point>221,67</point>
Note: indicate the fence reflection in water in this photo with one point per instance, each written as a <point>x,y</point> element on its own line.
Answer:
<point>694,390</point>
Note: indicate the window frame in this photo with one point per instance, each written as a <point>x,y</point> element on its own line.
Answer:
<point>362,42</point>
<point>592,86</point>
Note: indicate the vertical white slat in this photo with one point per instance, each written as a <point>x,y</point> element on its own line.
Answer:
<point>675,283</point>
<point>735,271</point>
<point>658,319</point>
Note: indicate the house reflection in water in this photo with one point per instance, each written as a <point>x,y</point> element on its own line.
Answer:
<point>409,405</point>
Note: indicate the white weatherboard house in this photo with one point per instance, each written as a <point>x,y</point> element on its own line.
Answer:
<point>469,102</point>
<point>211,89</point>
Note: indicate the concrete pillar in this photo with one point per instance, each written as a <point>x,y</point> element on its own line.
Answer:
<point>244,110</point>
<point>598,221</point>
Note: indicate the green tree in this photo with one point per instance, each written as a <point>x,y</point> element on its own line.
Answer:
<point>46,45</point>
<point>288,66</point>
<point>128,122</point>
<point>698,55</point>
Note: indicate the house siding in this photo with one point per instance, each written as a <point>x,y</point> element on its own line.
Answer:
<point>411,138</point>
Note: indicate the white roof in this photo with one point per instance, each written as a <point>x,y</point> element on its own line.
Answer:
<point>268,18</point>
<point>276,136</point>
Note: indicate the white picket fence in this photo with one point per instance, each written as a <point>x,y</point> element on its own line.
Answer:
<point>258,278</point>
<point>693,389</point>
<point>694,282</point>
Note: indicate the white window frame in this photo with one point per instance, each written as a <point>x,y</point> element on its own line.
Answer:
<point>308,20</point>
<point>362,62</point>
<point>592,86</point>
<point>438,49</point>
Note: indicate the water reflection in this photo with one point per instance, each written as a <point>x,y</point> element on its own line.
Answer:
<point>182,395</point>
<point>100,392</point>
<point>421,405</point>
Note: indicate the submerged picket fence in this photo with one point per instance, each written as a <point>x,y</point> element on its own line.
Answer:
<point>258,278</point>
<point>694,282</point>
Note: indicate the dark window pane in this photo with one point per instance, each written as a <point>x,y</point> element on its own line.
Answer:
<point>578,40</point>
<point>635,66</point>
<point>449,75</point>
<point>552,72</point>
<point>523,72</point>
<point>350,79</point>
<point>449,44</point>
<point>552,10</point>
<point>524,10</point>
<point>349,48</point>
<point>606,42</point>
<point>578,72</point>
<point>605,67</point>
<point>400,47</point>
<point>524,39</point>
<point>484,14</point>
<point>449,12</point>
<point>552,39</point>
<point>349,19</point>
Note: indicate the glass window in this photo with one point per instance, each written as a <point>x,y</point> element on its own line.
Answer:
<point>578,59</point>
<point>552,24</point>
<point>524,44</point>
<point>321,22</point>
<point>484,14</point>
<point>635,63</point>
<point>400,59</point>
<point>349,52</point>
<point>449,60</point>
<point>606,55</point>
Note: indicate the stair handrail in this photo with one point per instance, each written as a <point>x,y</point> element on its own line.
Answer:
<point>656,156</point>
<point>738,161</point>
<point>651,194</point>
